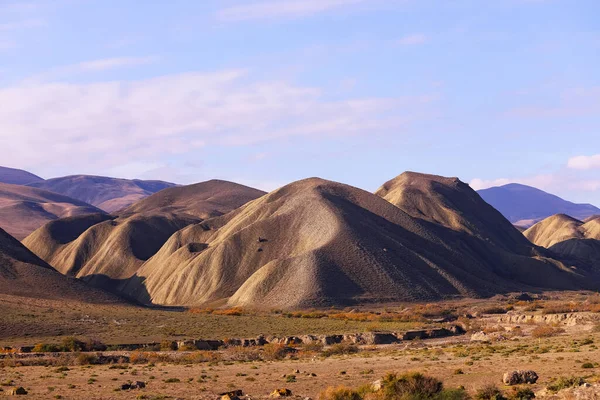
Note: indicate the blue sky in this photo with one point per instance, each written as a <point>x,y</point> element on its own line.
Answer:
<point>265,92</point>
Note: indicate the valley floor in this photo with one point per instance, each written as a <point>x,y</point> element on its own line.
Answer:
<point>552,344</point>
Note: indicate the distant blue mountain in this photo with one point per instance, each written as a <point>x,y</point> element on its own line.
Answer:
<point>17,176</point>
<point>525,205</point>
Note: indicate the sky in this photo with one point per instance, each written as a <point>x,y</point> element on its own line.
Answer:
<point>265,92</point>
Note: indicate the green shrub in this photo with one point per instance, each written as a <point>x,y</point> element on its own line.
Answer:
<point>565,382</point>
<point>72,344</point>
<point>489,392</point>
<point>86,359</point>
<point>339,393</point>
<point>410,386</point>
<point>340,349</point>
<point>46,348</point>
<point>587,365</point>
<point>522,393</point>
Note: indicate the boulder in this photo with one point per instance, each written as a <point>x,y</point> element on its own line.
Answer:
<point>233,395</point>
<point>18,391</point>
<point>281,393</point>
<point>310,339</point>
<point>519,377</point>
<point>290,340</point>
<point>523,297</point>
<point>377,385</point>
<point>480,337</point>
<point>412,335</point>
<point>332,339</point>
<point>237,393</point>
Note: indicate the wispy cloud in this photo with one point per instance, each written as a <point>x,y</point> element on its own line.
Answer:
<point>56,74</point>
<point>281,9</point>
<point>584,162</point>
<point>412,40</point>
<point>108,124</point>
<point>546,181</point>
<point>569,103</point>
<point>112,63</point>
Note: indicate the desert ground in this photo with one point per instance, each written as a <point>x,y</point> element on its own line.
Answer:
<point>555,335</point>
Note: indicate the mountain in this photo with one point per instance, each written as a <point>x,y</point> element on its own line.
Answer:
<point>569,237</point>
<point>24,274</point>
<point>17,176</point>
<point>23,209</point>
<point>106,251</point>
<point>108,194</point>
<point>318,243</point>
<point>453,204</point>
<point>204,200</point>
<point>524,205</point>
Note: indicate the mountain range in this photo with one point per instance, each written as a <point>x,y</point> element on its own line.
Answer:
<point>525,205</point>
<point>311,243</point>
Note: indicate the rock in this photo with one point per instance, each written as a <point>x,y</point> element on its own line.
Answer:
<point>233,395</point>
<point>281,393</point>
<point>524,297</point>
<point>292,340</point>
<point>140,384</point>
<point>457,330</point>
<point>376,385</point>
<point>412,335</point>
<point>332,339</point>
<point>18,391</point>
<point>480,337</point>
<point>237,392</point>
<point>519,377</point>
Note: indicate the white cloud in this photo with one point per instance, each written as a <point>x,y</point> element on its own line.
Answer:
<point>479,184</point>
<point>112,63</point>
<point>91,67</point>
<point>281,9</point>
<point>110,124</point>
<point>412,40</point>
<point>543,182</point>
<point>584,162</point>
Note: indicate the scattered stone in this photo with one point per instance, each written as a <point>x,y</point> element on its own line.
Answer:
<point>519,377</point>
<point>233,395</point>
<point>132,386</point>
<point>281,393</point>
<point>18,391</point>
<point>524,297</point>
<point>376,385</point>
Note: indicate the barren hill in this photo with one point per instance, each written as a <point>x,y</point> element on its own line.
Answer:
<point>104,250</point>
<point>204,200</point>
<point>569,237</point>
<point>108,194</point>
<point>316,242</point>
<point>524,205</point>
<point>24,274</point>
<point>17,176</point>
<point>452,203</point>
<point>23,209</point>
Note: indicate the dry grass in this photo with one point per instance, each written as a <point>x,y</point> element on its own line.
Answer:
<point>26,321</point>
<point>543,331</point>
